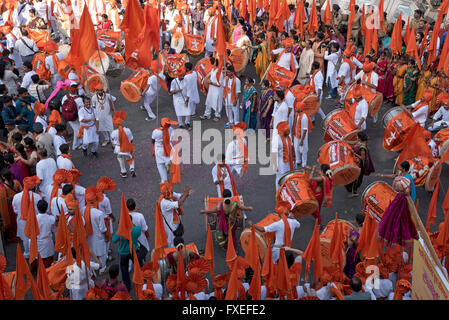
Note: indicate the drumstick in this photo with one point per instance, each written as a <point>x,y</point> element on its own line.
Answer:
<point>266,72</point>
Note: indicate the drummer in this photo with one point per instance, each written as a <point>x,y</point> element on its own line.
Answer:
<point>282,151</point>
<point>420,109</point>
<point>358,108</point>
<point>284,228</point>
<point>369,79</point>
<point>440,119</point>
<point>346,72</point>
<point>286,58</point>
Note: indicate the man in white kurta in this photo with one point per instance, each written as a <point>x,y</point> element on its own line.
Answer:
<point>290,101</point>
<point>57,205</point>
<point>75,124</point>
<point>87,117</point>
<point>225,176</point>
<point>280,111</point>
<point>331,75</point>
<point>104,106</point>
<point>211,32</point>
<point>46,223</point>
<point>11,39</point>
<point>317,81</point>
<point>301,137</point>
<point>179,92</point>
<point>64,161</point>
<point>50,65</point>
<point>58,138</point>
<point>286,58</point>
<point>214,98</point>
<point>305,63</point>
<point>162,160</point>
<point>232,89</point>
<point>369,79</point>
<point>191,84</point>
<point>440,119</point>
<point>361,112</point>
<point>150,93</point>
<point>235,156</point>
<point>45,169</point>
<point>139,220</point>
<point>123,157</point>
<point>277,152</point>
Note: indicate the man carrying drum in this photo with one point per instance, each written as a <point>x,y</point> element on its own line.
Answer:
<point>420,109</point>
<point>284,228</point>
<point>282,151</point>
<point>369,79</point>
<point>358,108</point>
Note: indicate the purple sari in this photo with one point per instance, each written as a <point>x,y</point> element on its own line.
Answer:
<point>396,226</point>
<point>265,121</point>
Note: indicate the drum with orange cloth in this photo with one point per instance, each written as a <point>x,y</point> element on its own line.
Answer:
<point>133,86</point>
<point>211,220</point>
<point>419,168</point>
<point>433,176</point>
<point>90,78</point>
<point>338,125</point>
<point>374,99</point>
<point>341,160</point>
<point>397,124</point>
<point>263,238</point>
<point>110,38</point>
<point>203,69</point>
<point>326,238</point>
<point>311,100</point>
<point>376,198</point>
<point>295,188</point>
<point>239,59</point>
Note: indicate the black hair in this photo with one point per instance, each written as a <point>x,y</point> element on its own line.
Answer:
<point>266,83</point>
<point>114,271</point>
<point>42,206</point>
<point>360,218</point>
<point>7,98</point>
<point>325,168</point>
<point>189,66</point>
<point>231,69</point>
<point>178,240</point>
<point>2,71</point>
<point>131,204</point>
<point>64,148</point>
<point>227,193</point>
<point>67,189</point>
<point>280,94</point>
<point>362,136</point>
<point>60,127</point>
<point>405,165</point>
<point>290,258</point>
<point>21,90</point>
<point>8,158</point>
<point>21,149</point>
<point>29,142</point>
<point>17,136</point>
<point>356,284</point>
<point>6,174</point>
<point>35,78</point>
<point>28,65</point>
<point>43,152</point>
<point>315,65</point>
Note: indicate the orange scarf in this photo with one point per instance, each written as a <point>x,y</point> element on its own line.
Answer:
<point>287,231</point>
<point>214,21</point>
<point>312,81</point>
<point>88,222</point>
<point>234,190</point>
<point>108,228</point>
<point>25,203</point>
<point>67,156</point>
<point>292,63</point>
<point>367,78</point>
<point>287,155</point>
<point>351,65</point>
<point>166,141</point>
<point>297,125</point>
<point>421,105</point>
<point>233,91</point>
<point>352,108</point>
<point>125,145</point>
<point>81,131</point>
<point>187,20</point>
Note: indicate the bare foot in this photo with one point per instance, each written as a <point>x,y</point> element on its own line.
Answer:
<point>352,195</point>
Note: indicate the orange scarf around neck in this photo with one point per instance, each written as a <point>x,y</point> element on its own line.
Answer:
<point>287,155</point>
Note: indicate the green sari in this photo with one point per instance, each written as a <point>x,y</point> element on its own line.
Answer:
<point>410,83</point>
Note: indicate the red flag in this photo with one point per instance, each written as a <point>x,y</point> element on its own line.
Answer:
<point>412,48</point>
<point>396,36</point>
<point>368,35</point>
<point>233,285</point>
<point>363,21</point>
<point>313,20</point>
<point>209,251</point>
<point>274,8</point>
<point>283,284</point>
<point>80,239</point>
<point>255,285</point>
<point>282,15</point>
<point>132,24</point>
<point>313,252</point>
<point>160,237</point>
<point>125,224</point>
<point>416,145</point>
<point>231,255</point>
<point>350,19</point>
<point>432,212</point>
<point>62,240</point>
<point>374,39</point>
<point>443,56</point>
<point>433,41</point>
<point>327,18</point>
<point>381,16</point>
<point>21,284</point>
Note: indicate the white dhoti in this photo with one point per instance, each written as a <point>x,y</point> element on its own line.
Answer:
<point>301,151</point>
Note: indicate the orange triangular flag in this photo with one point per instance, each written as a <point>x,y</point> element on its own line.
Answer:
<point>252,252</point>
<point>374,246</point>
<point>254,287</point>
<point>396,36</point>
<point>230,252</point>
<point>432,212</point>
<point>62,240</point>
<point>313,20</point>
<point>132,24</point>
<point>381,15</point>
<point>433,41</point>
<point>350,19</point>
<point>299,18</point>
<point>274,8</point>
<point>80,240</point>
<point>137,275</point>
<point>327,18</point>
<point>243,9</point>
<point>368,35</point>
<point>149,36</point>
<point>42,280</point>
<point>160,237</point>
<point>233,285</point>
<point>416,145</point>
<point>32,230</point>
<point>282,15</point>
<point>337,244</point>
<point>283,286</point>
<point>267,263</point>
<point>374,39</point>
<point>21,284</point>
<point>180,276</point>
<point>125,224</point>
<point>363,21</point>
<point>252,11</point>
<point>443,55</point>
<point>412,48</point>
<point>424,42</point>
<point>220,48</point>
<point>209,251</point>
<point>313,252</point>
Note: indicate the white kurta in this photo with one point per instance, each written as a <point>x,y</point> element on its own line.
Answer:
<point>226,182</point>
<point>301,151</point>
<point>215,94</point>
<point>10,45</point>
<point>139,220</point>
<point>96,240</point>
<point>278,228</point>
<point>179,99</point>
<point>167,207</point>
<point>77,281</point>
<point>191,83</point>
<point>361,111</point>
<point>420,115</point>
<point>235,156</point>
<point>331,74</point>
<point>45,169</point>
<point>157,136</point>
<point>285,59</point>
<point>280,113</point>
<point>211,33</point>
<point>58,206</point>
<point>90,134</point>
<point>283,167</point>
<point>64,163</point>
<point>305,65</point>
<point>45,244</point>
<point>116,144</point>
<point>238,90</point>
<point>16,205</point>
<point>103,111</point>
<point>374,80</point>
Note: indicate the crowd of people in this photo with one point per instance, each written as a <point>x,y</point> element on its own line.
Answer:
<point>50,111</point>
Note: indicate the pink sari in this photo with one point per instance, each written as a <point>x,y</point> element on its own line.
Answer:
<point>382,72</point>
<point>325,194</point>
<point>388,83</point>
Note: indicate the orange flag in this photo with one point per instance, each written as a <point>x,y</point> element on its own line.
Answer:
<point>137,275</point>
<point>412,48</point>
<point>252,11</point>
<point>254,287</point>
<point>283,286</point>
<point>268,266</point>
<point>443,56</point>
<point>131,25</point>
<point>298,21</point>
<point>209,251</point>
<point>337,244</point>
<point>32,230</point>
<point>433,41</point>
<point>363,22</point>
<point>234,284</point>
<point>274,8</point>
<point>350,19</point>
<point>243,9</point>
<point>313,252</point>
<point>313,20</point>
<point>62,240</point>
<point>424,42</point>
<point>374,39</point>
<point>327,18</point>
<point>180,276</point>
<point>252,252</point>
<point>396,36</point>
<point>282,15</point>
<point>432,212</point>
<point>220,48</point>
<point>368,244</point>
<point>442,10</point>
<point>368,36</point>
<point>416,145</point>
<point>84,41</point>
<point>149,37</point>
<point>21,284</point>
<point>381,15</point>
<point>125,224</point>
<point>80,240</point>
<point>160,237</point>
<point>230,252</point>
<point>446,200</point>
<point>42,280</point>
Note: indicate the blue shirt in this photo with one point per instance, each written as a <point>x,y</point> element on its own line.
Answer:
<point>412,186</point>
<point>124,243</point>
<point>26,111</point>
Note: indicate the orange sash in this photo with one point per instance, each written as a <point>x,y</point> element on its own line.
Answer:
<point>233,91</point>
<point>67,156</point>
<point>214,21</point>
<point>81,131</point>
<point>351,66</point>
<point>312,81</point>
<point>108,228</point>
<point>287,155</point>
<point>287,231</point>
<point>292,63</point>
<point>88,222</point>
<point>421,105</point>
<point>125,145</point>
<point>297,125</point>
<point>221,183</point>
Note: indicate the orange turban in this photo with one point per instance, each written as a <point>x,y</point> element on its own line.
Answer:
<point>177,18</point>
<point>349,51</point>
<point>30,182</point>
<point>93,195</point>
<point>368,66</point>
<point>54,117</point>
<point>166,122</point>
<point>75,174</point>
<point>98,85</point>
<point>39,108</point>
<point>61,176</point>
<point>106,184</point>
<point>166,189</point>
<point>71,203</point>
<point>444,98</point>
<point>119,117</point>
<point>288,43</point>
<point>282,207</point>
<point>240,125</point>
<point>428,95</point>
<point>300,105</point>
<point>282,127</point>
<point>154,66</point>
<point>50,46</point>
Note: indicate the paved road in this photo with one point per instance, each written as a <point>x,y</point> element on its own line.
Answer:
<point>258,190</point>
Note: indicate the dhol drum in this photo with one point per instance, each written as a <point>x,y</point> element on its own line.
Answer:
<point>116,65</point>
<point>133,86</point>
<point>99,61</point>
<point>203,69</point>
<point>441,137</point>
<point>326,239</point>
<point>263,238</point>
<point>342,161</point>
<point>374,99</point>
<point>376,198</point>
<point>90,78</point>
<point>295,188</point>
<point>444,148</point>
<point>338,125</point>
<point>328,231</point>
<point>419,168</point>
<point>239,59</point>
<point>397,124</point>
<point>433,176</point>
<point>110,38</point>
<point>212,220</point>
<point>311,101</point>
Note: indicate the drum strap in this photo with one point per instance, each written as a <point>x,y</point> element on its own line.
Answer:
<point>287,231</point>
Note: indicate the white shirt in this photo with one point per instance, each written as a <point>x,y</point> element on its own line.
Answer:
<point>234,155</point>
<point>226,182</point>
<point>139,220</point>
<point>280,113</point>
<point>56,204</point>
<point>157,136</point>
<point>332,58</point>
<point>26,81</point>
<point>105,206</point>
<point>170,15</point>
<point>441,114</point>
<point>191,82</point>
<point>64,163</point>
<point>228,99</point>
<point>285,59</point>
<point>49,62</point>
<point>45,169</point>
<point>345,72</point>
<point>154,84</point>
<point>318,81</point>
<point>374,79</point>
<point>45,244</point>
<point>420,115</point>
<point>22,48</point>
<point>278,228</point>
<point>361,111</point>
<point>115,140</point>
<point>57,141</point>
<point>97,240</point>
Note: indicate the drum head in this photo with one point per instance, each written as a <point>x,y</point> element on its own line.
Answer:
<point>312,102</point>
<point>375,104</point>
<point>99,65</point>
<point>178,43</point>
<point>326,261</point>
<point>328,116</point>
<point>345,174</point>
<point>130,91</point>
<point>288,175</point>
<point>261,245</point>
<point>92,80</point>
<point>239,58</point>
<point>305,208</point>
<point>390,114</point>
<point>376,198</point>
<point>433,176</point>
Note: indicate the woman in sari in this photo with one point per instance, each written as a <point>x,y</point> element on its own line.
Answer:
<point>381,70</point>
<point>364,162</point>
<point>433,85</point>
<point>388,87</point>
<point>249,104</point>
<point>410,83</point>
<point>8,188</point>
<point>423,81</point>
<point>266,108</point>
<point>262,60</point>
<point>322,187</point>
<point>21,158</point>
<point>398,80</point>
<point>167,50</point>
<point>319,49</point>
<point>227,213</point>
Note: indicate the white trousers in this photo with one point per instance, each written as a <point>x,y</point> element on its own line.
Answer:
<point>438,125</point>
<point>93,146</point>
<point>232,112</point>
<point>162,171</point>
<point>75,125</point>
<point>106,135</point>
<point>183,120</point>
<point>122,162</point>
<point>208,111</point>
<point>301,151</point>
<point>148,99</point>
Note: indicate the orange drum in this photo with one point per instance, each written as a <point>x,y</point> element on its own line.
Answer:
<point>444,149</point>
<point>441,136</point>
<point>342,161</point>
<point>328,231</point>
<point>263,238</point>
<point>312,102</point>
<point>203,68</point>
<point>419,168</point>
<point>239,59</point>
<point>397,124</point>
<point>211,202</point>
<point>111,39</point>
<point>374,99</point>
<point>433,176</point>
<point>132,87</point>
<point>90,78</point>
<point>326,238</point>
<point>295,188</point>
<point>338,125</point>
<point>376,198</point>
